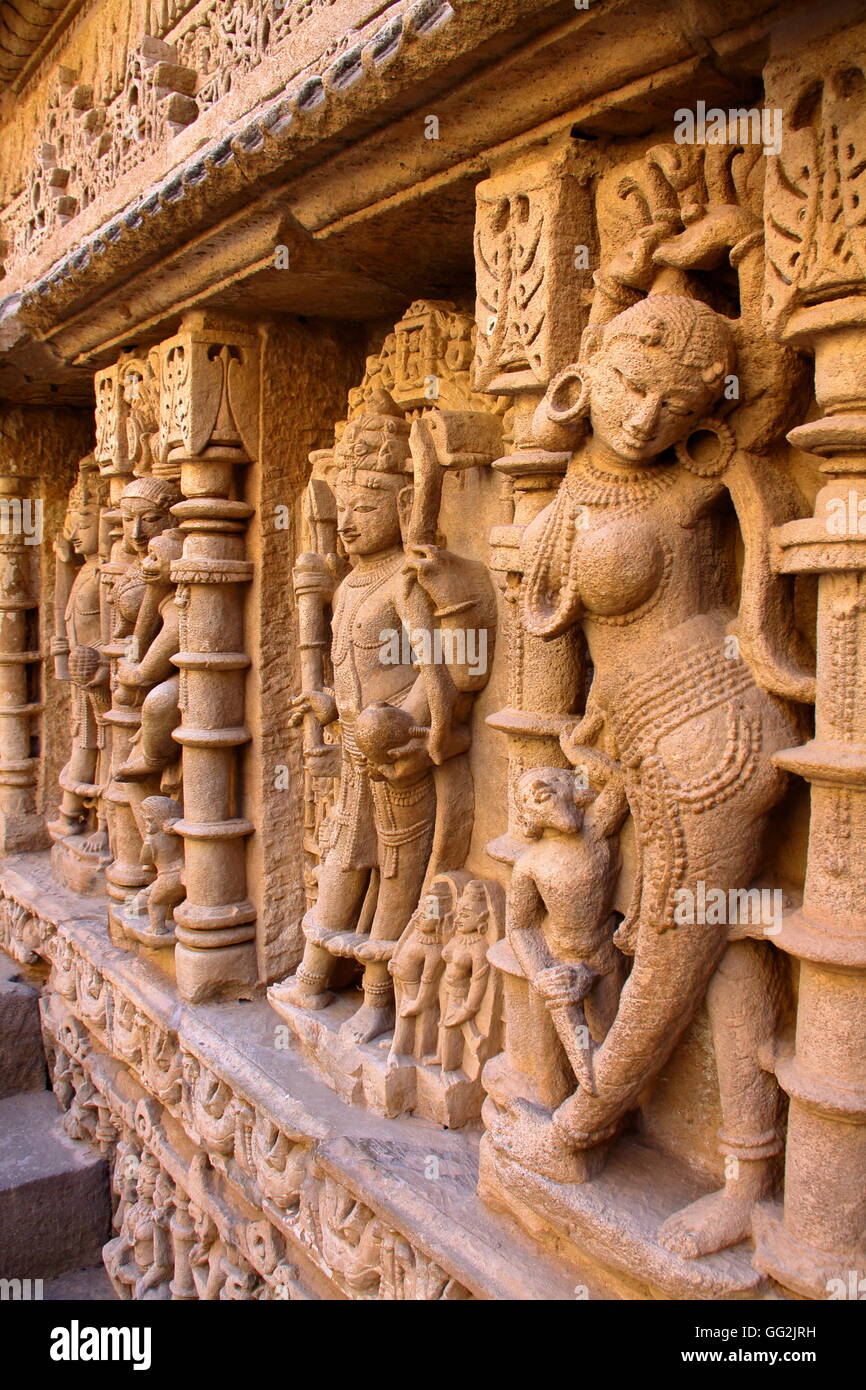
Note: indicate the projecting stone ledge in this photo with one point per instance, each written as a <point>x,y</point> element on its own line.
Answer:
<point>316,1195</point>
<point>307,1194</point>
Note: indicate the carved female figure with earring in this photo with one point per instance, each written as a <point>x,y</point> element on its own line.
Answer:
<point>76,650</point>
<point>637,553</point>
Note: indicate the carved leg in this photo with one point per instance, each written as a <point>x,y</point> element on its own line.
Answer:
<point>72,812</point>
<point>427,1029</point>
<point>97,843</point>
<point>405,1029</point>
<point>743,1002</point>
<point>157,913</point>
<point>376,1014</point>
<point>154,748</point>
<point>658,1000</point>
<point>341,893</point>
<point>451,1048</point>
<point>670,975</point>
<point>398,897</point>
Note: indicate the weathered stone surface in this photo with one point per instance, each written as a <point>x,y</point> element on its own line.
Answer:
<point>22,1065</point>
<point>54,1208</point>
<point>438,671</point>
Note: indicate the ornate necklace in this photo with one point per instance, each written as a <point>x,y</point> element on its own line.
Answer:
<point>595,486</point>
<point>362,579</point>
<point>347,610</point>
<point>551,590</point>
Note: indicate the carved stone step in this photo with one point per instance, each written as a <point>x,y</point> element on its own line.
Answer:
<point>22,1064</point>
<point>54,1201</point>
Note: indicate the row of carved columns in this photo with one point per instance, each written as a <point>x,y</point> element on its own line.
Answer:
<point>178,427</point>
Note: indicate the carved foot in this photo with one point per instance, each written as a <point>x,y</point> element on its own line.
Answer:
<point>63,825</point>
<point>396,1060</point>
<point>300,994</point>
<point>97,843</point>
<point>137,906</point>
<point>711,1223</point>
<point>368,1023</point>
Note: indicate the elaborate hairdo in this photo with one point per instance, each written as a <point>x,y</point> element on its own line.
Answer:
<point>163,808</point>
<point>377,441</point>
<point>161,491</point>
<point>690,332</point>
<point>90,488</point>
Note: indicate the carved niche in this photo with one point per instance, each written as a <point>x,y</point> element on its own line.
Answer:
<point>695,677</point>
<point>397,628</point>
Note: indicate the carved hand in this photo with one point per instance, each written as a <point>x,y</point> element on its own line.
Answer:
<point>560,982</point>
<point>320,703</point>
<point>456,1017</point>
<point>635,265</point>
<point>575,740</point>
<point>710,234</point>
<point>128,672</point>
<point>423,566</point>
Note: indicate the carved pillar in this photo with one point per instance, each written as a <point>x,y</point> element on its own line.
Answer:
<point>209,423</point>
<point>535,250</point>
<point>20,826</point>
<point>314,584</point>
<point>816,275</point>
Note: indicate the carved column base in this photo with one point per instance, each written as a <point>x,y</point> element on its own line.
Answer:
<point>221,972</point>
<point>802,1269</point>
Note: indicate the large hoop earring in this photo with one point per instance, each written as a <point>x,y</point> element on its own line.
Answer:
<point>715,465</point>
<point>567,414</point>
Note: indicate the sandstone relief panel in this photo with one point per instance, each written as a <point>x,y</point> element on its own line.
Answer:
<point>673,416</point>
<point>558,756</point>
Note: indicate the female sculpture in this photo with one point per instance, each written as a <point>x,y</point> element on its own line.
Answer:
<point>637,553</point>
<point>145,512</point>
<point>148,666</point>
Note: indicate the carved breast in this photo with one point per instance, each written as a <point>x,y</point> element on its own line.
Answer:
<point>364,621</point>
<point>620,566</point>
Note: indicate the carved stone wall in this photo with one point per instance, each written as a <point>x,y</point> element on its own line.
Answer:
<point>129,79</point>
<point>296,366</point>
<point>442,639</point>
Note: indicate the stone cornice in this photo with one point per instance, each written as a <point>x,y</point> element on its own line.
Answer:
<point>24,27</point>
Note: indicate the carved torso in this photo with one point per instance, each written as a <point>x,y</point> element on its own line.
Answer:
<point>82,609</point>
<point>627,558</point>
<point>368,606</point>
<point>571,881</point>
